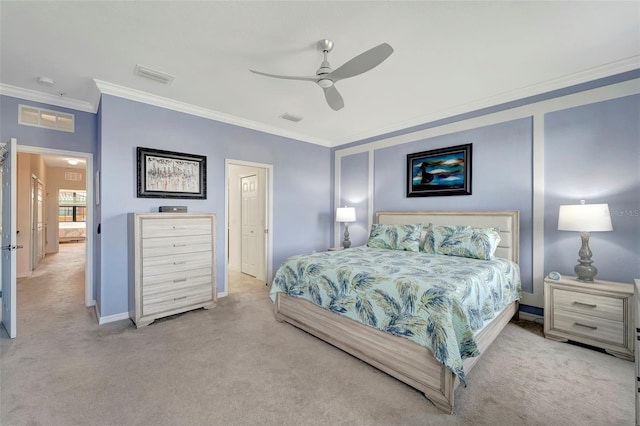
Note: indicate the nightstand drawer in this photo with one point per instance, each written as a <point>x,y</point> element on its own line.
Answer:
<point>589,326</point>
<point>588,304</point>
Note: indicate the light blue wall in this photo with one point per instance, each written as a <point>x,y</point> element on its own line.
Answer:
<point>501,178</point>
<point>354,178</point>
<point>593,153</point>
<point>301,181</point>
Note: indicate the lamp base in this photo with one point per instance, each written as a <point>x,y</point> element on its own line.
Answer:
<point>585,269</point>
<point>346,243</point>
<point>585,272</point>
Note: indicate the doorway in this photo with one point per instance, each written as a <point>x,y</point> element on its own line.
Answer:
<point>55,170</point>
<point>249,219</point>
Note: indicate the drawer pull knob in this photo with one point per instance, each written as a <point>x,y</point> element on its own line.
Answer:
<point>179,263</point>
<point>180,280</point>
<point>179,245</point>
<point>587,305</point>
<point>180,298</point>
<point>592,327</point>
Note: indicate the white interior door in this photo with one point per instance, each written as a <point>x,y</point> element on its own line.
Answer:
<point>8,231</point>
<point>249,185</point>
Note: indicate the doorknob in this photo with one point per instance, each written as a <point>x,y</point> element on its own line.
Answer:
<point>10,247</point>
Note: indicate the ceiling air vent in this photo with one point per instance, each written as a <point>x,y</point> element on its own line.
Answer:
<point>290,117</point>
<point>159,76</point>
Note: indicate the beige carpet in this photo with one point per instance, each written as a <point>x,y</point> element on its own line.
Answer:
<point>235,365</point>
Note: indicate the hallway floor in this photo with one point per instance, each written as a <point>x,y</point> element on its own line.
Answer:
<point>54,293</point>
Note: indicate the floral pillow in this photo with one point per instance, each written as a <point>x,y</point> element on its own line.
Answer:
<point>464,241</point>
<point>395,237</point>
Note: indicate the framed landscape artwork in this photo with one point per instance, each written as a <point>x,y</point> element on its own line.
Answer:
<point>444,171</point>
<point>166,174</point>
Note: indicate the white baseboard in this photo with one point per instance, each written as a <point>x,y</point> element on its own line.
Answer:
<point>222,294</point>
<point>110,318</point>
<point>531,317</point>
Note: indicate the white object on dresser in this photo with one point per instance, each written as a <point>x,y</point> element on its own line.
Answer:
<point>597,314</point>
<point>172,264</point>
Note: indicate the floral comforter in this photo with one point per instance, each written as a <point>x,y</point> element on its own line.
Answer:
<point>436,301</point>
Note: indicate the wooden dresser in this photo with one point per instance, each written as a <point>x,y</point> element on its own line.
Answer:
<point>171,264</point>
<point>597,314</point>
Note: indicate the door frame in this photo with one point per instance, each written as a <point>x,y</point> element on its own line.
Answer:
<point>268,211</point>
<point>89,299</point>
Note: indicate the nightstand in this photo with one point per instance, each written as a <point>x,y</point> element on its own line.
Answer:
<point>597,314</point>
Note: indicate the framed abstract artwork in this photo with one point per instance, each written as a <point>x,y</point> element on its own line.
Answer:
<point>166,174</point>
<point>444,171</point>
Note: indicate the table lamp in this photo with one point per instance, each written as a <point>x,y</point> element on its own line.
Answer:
<point>585,218</point>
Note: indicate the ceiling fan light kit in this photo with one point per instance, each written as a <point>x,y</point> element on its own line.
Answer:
<point>326,77</point>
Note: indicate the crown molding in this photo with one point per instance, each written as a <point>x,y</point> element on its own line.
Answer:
<point>608,70</point>
<point>47,98</point>
<point>159,101</point>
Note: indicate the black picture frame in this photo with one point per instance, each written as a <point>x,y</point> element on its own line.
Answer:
<point>440,172</point>
<point>167,174</point>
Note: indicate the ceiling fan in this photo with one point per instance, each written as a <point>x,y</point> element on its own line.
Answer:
<point>326,77</point>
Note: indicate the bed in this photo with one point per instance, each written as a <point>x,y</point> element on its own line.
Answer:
<point>403,354</point>
<point>71,231</point>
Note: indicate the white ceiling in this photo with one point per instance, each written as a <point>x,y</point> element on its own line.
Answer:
<point>449,57</point>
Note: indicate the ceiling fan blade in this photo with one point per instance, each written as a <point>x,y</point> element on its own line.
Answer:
<point>334,99</point>
<point>362,63</point>
<point>287,77</point>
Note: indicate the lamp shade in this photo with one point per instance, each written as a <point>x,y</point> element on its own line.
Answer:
<point>584,218</point>
<point>345,214</point>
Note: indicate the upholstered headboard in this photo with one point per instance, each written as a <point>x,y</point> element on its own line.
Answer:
<point>507,221</point>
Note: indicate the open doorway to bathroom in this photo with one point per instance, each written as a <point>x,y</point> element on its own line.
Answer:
<point>249,221</point>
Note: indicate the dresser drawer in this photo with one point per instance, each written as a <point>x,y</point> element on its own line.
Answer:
<point>588,304</point>
<point>152,247</point>
<point>159,265</point>
<point>174,281</point>
<point>170,300</point>
<point>154,228</point>
<point>589,326</point>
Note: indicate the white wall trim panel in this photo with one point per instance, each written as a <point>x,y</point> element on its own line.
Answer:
<point>537,297</point>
